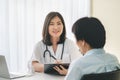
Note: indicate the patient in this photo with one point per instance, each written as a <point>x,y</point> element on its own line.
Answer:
<point>91,37</point>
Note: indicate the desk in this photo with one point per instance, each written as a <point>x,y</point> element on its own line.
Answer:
<point>40,76</point>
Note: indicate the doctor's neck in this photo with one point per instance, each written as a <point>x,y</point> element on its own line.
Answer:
<point>54,40</point>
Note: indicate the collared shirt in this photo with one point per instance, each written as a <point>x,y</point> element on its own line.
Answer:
<point>94,61</point>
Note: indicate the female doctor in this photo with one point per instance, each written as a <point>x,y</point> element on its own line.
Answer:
<point>54,47</point>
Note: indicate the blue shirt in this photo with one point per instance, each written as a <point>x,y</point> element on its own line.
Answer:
<point>94,61</point>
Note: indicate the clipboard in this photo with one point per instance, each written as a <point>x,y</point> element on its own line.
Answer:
<point>48,68</point>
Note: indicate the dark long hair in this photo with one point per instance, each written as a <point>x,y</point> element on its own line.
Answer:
<point>45,33</point>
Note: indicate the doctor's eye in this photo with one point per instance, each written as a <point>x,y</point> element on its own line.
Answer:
<point>51,24</point>
<point>59,23</point>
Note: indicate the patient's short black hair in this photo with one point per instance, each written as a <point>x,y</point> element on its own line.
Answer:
<point>91,30</point>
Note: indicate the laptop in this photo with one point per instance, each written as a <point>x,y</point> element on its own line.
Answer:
<point>48,68</point>
<point>4,72</point>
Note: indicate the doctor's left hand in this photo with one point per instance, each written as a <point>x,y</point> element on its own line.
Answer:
<point>61,70</point>
<point>58,61</point>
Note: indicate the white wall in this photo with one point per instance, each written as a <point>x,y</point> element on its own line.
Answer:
<point>108,11</point>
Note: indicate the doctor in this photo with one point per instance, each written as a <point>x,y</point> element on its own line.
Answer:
<point>54,47</point>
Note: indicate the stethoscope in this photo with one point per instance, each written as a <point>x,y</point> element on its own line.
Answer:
<point>47,51</point>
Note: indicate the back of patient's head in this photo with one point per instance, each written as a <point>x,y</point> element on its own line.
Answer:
<point>91,30</point>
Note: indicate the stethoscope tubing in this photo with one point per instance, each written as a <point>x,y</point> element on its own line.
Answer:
<point>51,54</point>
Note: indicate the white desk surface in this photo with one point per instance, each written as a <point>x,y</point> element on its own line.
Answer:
<point>40,76</point>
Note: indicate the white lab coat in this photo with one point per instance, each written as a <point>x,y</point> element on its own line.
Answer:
<point>71,52</point>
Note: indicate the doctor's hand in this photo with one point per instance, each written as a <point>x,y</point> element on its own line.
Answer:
<point>58,61</point>
<point>61,70</point>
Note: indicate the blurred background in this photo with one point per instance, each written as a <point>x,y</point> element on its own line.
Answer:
<point>21,23</point>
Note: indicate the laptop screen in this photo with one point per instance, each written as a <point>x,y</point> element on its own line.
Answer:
<point>3,67</point>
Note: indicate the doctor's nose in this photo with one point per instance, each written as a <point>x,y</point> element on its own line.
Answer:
<point>55,26</point>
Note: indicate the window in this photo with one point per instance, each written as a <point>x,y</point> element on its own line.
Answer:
<point>21,23</point>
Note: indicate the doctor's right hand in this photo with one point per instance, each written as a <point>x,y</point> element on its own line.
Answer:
<point>61,70</point>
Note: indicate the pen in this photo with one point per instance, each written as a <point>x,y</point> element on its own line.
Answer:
<point>56,60</point>
<point>53,57</point>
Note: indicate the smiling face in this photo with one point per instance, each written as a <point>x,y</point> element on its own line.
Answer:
<point>55,27</point>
